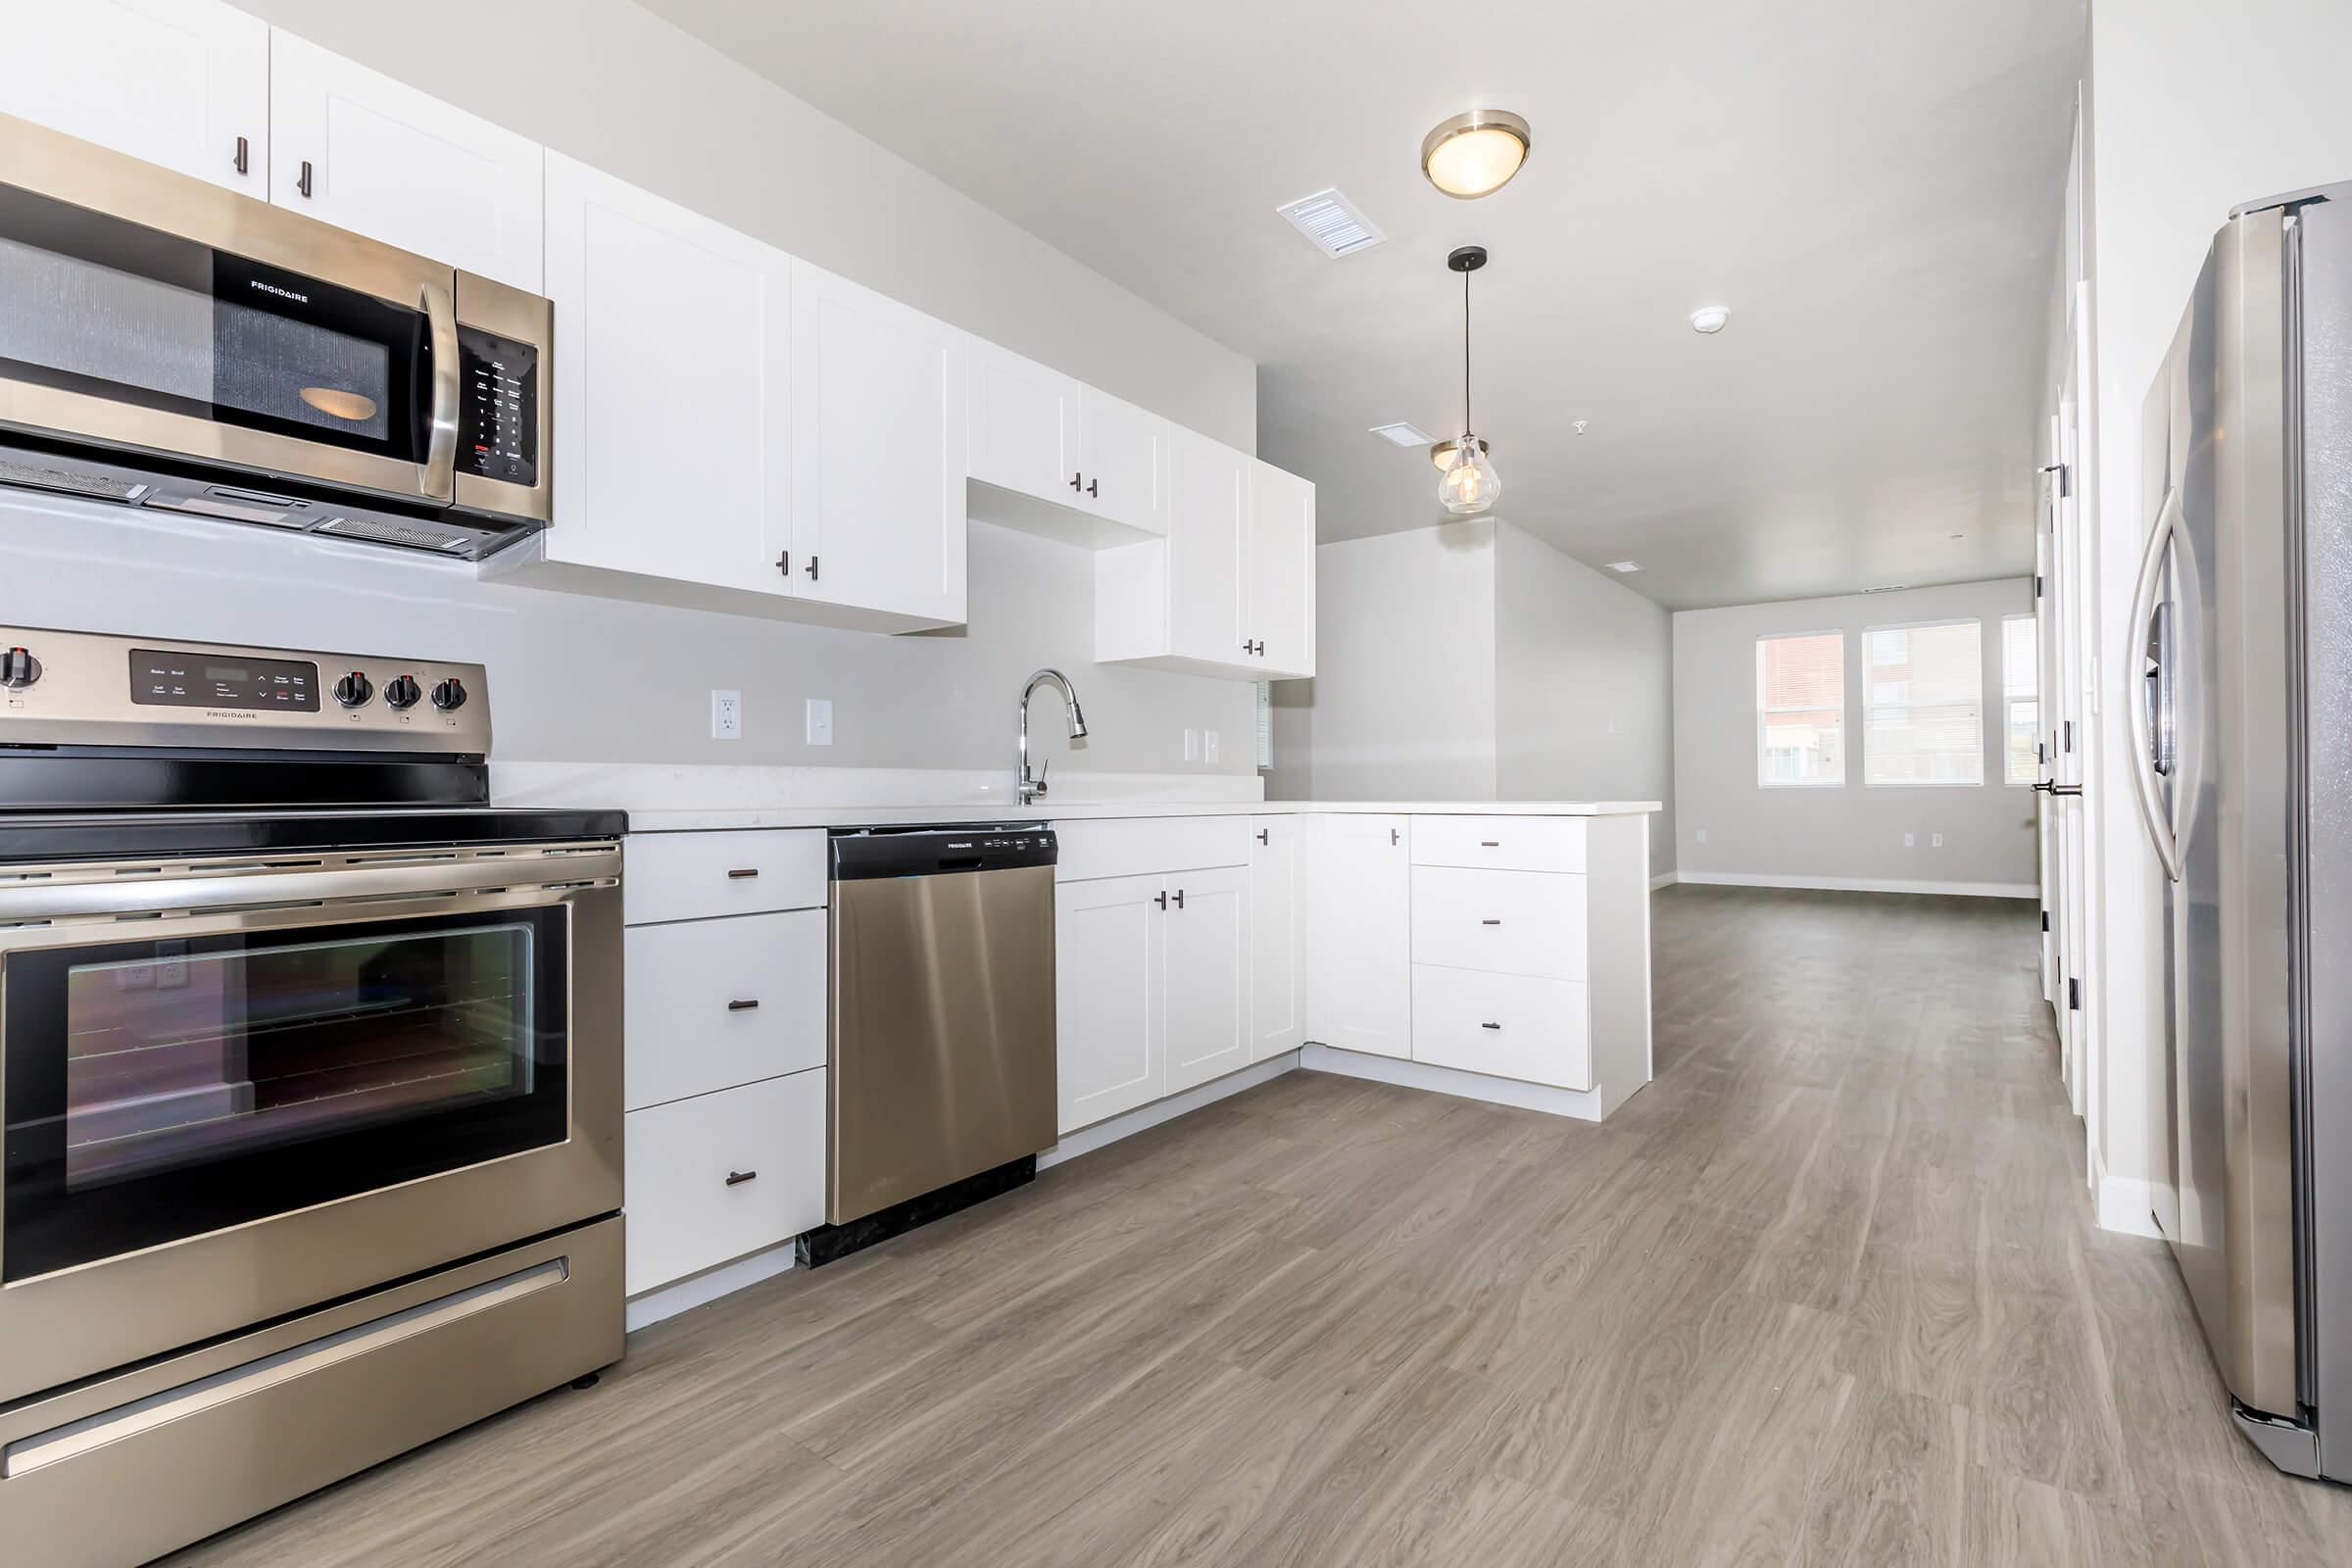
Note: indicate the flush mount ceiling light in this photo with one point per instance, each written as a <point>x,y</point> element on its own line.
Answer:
<point>1401,433</point>
<point>1475,153</point>
<point>1710,318</point>
<point>1444,451</point>
<point>1468,483</point>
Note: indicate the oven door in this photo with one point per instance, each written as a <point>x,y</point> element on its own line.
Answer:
<point>153,311</point>
<point>234,1092</point>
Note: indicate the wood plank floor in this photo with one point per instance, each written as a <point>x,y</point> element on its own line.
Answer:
<point>1828,1291</point>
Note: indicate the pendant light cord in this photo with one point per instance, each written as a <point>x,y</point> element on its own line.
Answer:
<point>1465,360</point>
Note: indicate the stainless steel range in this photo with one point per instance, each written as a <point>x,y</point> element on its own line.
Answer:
<point>309,1070</point>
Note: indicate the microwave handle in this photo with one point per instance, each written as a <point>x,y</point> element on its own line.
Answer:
<point>441,442</point>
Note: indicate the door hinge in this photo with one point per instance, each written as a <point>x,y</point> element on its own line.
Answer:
<point>2066,476</point>
<point>2037,585</point>
<point>2074,994</point>
<point>2045,921</point>
<point>2069,728</point>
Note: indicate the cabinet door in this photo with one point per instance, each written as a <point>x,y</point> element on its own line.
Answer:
<point>1208,987</point>
<point>1360,935</point>
<point>375,156</point>
<point>1210,502</point>
<point>1277,937</point>
<point>1110,982</point>
<point>1281,579</point>
<point>1123,454</point>
<point>1023,423</point>
<point>672,387</point>
<point>878,452</point>
<point>177,82</point>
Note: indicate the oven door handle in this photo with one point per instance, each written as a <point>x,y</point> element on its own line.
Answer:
<point>133,896</point>
<point>440,482</point>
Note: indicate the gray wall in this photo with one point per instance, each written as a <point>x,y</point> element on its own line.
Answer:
<point>586,679</point>
<point>1854,833</point>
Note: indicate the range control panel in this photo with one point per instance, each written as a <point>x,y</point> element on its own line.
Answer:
<point>498,433</point>
<point>63,688</point>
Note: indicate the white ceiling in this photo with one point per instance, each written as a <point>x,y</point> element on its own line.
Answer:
<point>1874,189</point>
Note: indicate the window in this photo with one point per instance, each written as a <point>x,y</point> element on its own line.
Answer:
<point>1800,710</point>
<point>2021,699</point>
<point>1922,704</point>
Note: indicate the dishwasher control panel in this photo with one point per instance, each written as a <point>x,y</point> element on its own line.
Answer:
<point>868,852</point>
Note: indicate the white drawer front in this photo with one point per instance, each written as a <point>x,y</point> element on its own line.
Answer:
<point>1507,843</point>
<point>688,876</point>
<point>1147,846</point>
<point>1505,922</point>
<point>684,1214</point>
<point>720,1002</point>
<point>1508,1025</point>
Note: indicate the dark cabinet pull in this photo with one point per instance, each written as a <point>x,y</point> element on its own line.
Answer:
<point>740,1004</point>
<point>784,562</point>
<point>1490,1026</point>
<point>1180,898</point>
<point>1490,922</point>
<point>742,871</point>
<point>1262,837</point>
<point>1163,900</point>
<point>1393,835</point>
<point>301,181</point>
<point>736,1178</point>
<point>1490,843</point>
<point>1074,481</point>
<point>1090,488</point>
<point>244,159</point>
<point>813,568</point>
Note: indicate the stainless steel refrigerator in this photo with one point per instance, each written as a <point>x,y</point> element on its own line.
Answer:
<point>2241,717</point>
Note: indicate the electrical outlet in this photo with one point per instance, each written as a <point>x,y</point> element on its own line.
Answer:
<point>171,965</point>
<point>1935,841</point>
<point>1702,835</point>
<point>1208,746</point>
<point>1910,840</point>
<point>727,715</point>
<point>820,720</point>
<point>1192,746</point>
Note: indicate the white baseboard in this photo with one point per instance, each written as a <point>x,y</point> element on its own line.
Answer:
<point>1583,1104</point>
<point>1664,879</point>
<point>1087,1139</point>
<point>1859,884</point>
<point>2127,1203</point>
<point>668,1300</point>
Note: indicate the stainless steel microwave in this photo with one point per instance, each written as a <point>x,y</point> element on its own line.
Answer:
<point>167,343</point>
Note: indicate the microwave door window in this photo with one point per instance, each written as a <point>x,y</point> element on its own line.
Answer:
<point>105,307</point>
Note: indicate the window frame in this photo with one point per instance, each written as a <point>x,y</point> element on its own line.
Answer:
<point>1976,783</point>
<point>1757,702</point>
<point>2036,622</point>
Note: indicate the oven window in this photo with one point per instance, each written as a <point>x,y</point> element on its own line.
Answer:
<point>163,1088</point>
<point>109,308</point>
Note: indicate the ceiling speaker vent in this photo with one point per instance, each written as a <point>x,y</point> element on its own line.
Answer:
<point>1332,222</point>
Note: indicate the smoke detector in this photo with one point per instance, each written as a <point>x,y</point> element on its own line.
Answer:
<point>1332,222</point>
<point>1710,319</point>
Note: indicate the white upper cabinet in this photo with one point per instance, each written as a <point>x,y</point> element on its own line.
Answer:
<point>1207,531</point>
<point>1123,460</point>
<point>364,152</point>
<point>184,83</point>
<point>879,454</point>
<point>1053,455</point>
<point>673,395</point>
<point>1278,615</point>
<point>1023,423</point>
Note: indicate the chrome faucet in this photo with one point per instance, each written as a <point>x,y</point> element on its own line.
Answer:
<point>1033,787</point>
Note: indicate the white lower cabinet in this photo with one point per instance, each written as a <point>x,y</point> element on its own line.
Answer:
<point>1359,932</point>
<point>720,1175</point>
<point>1506,1025</point>
<point>1277,936</point>
<point>1206,987</point>
<point>1110,973</point>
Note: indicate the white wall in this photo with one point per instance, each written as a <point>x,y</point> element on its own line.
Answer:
<point>1853,834</point>
<point>2193,108</point>
<point>576,679</point>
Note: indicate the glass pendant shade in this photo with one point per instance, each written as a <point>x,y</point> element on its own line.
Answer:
<point>1470,484</point>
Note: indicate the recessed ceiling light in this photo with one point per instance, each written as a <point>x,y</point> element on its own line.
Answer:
<point>1624,566</point>
<point>1710,318</point>
<point>1401,433</point>
<point>1475,153</point>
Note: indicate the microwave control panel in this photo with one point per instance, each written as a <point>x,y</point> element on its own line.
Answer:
<point>498,427</point>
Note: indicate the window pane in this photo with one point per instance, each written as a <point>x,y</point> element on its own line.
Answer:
<point>1800,705</point>
<point>1926,664</point>
<point>1924,719</point>
<point>2020,668</point>
<point>2025,730</point>
<point>2020,684</point>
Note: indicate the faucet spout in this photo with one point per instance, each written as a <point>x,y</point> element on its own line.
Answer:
<point>1032,785</point>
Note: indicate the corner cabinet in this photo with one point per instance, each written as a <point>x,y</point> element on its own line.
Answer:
<point>1231,590</point>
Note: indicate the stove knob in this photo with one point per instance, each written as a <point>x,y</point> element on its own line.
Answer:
<point>354,690</point>
<point>450,695</point>
<point>19,668</point>
<point>403,692</point>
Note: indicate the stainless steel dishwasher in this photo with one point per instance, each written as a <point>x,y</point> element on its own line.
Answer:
<point>941,1086</point>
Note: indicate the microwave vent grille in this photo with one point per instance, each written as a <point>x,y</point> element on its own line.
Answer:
<point>69,480</point>
<point>395,533</point>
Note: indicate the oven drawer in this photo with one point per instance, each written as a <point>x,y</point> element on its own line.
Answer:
<point>713,1004</point>
<point>691,876</point>
<point>717,1176</point>
<point>1505,922</point>
<point>205,1439</point>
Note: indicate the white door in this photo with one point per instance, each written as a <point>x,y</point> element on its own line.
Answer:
<point>375,156</point>
<point>1110,981</point>
<point>2072,584</point>
<point>673,388</point>
<point>1123,458</point>
<point>1022,423</point>
<point>878,452</point>
<point>1208,987</point>
<point>1277,936</point>
<point>1280,584</point>
<point>2045,687</point>
<point>1207,540</point>
<point>1360,940</point>
<point>184,83</point>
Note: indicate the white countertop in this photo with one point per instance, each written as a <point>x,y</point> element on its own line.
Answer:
<point>684,819</point>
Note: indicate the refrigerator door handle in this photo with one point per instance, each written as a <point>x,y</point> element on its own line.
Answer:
<point>2153,814</point>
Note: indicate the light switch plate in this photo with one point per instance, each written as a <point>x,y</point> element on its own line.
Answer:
<point>1208,746</point>
<point>1910,840</point>
<point>1192,746</point>
<point>820,720</point>
<point>727,715</point>
<point>1935,841</point>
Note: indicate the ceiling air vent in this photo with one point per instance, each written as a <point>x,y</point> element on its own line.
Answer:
<point>1332,222</point>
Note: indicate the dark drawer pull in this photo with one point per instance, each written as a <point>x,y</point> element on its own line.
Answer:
<point>1490,922</point>
<point>1490,843</point>
<point>736,1178</point>
<point>1490,1026</point>
<point>739,1005</point>
<point>742,871</point>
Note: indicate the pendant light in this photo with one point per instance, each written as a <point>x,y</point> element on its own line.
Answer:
<point>1467,481</point>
